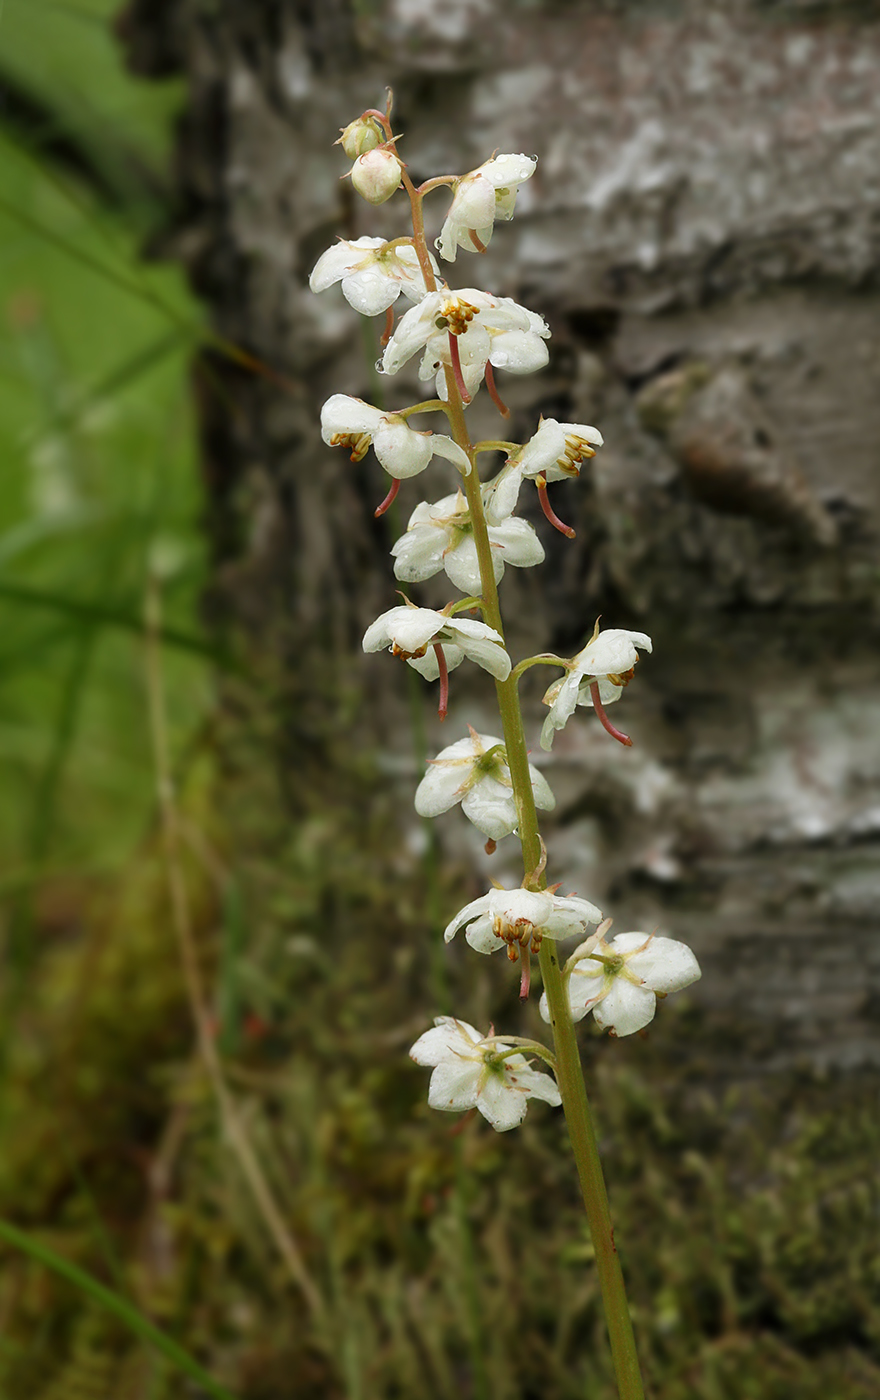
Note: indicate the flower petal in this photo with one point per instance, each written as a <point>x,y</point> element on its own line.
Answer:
<point>508,169</point>
<point>625,1008</point>
<point>503,1104</point>
<point>419,554</point>
<point>665,965</point>
<point>519,352</point>
<point>339,260</point>
<point>485,651</point>
<point>443,785</point>
<point>514,906</point>
<point>402,452</point>
<point>541,451</point>
<point>482,937</point>
<point>519,543</point>
<point>613,652</point>
<point>370,290</point>
<point>490,806</point>
<point>539,1086</point>
<point>463,566</point>
<point>447,1037</point>
<point>465,915</point>
<point>501,493</point>
<point>570,916</point>
<point>454,1085</point>
<point>343,414</point>
<point>444,447</point>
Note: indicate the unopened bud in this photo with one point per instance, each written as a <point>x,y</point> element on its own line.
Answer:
<point>359,137</point>
<point>376,175</point>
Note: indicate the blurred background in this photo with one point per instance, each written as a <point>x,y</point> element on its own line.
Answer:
<point>221,921</point>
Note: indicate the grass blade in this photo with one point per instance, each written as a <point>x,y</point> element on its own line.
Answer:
<point>120,1309</point>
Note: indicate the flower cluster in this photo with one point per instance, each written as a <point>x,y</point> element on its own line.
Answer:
<point>462,337</point>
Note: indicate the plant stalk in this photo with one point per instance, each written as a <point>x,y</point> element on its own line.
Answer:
<point>569,1071</point>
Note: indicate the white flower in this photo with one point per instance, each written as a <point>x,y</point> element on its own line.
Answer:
<point>621,980</point>
<point>373,273</point>
<point>556,450</point>
<point>376,175</point>
<point>474,772</point>
<point>486,328</point>
<point>523,917</point>
<point>440,536</point>
<point>474,1071</point>
<point>410,632</point>
<point>349,422</point>
<point>481,197</point>
<point>608,661</point>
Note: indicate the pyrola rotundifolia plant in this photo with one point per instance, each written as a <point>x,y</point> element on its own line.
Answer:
<point>463,336</point>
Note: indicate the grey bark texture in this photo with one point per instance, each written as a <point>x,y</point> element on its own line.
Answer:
<point>703,236</point>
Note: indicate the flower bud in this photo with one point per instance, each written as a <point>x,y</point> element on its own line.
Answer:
<point>376,175</point>
<point>359,137</point>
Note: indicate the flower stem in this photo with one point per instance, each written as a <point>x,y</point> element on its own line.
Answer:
<point>569,1072</point>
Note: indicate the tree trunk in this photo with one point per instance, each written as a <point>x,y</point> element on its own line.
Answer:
<point>703,236</point>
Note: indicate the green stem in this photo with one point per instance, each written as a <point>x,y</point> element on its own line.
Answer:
<point>545,659</point>
<point>570,1078</point>
<point>427,406</point>
<point>494,445</point>
<point>569,1072</point>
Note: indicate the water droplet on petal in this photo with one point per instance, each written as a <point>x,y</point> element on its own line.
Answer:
<point>380,365</point>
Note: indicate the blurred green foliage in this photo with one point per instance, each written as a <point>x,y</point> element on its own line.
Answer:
<point>96,438</point>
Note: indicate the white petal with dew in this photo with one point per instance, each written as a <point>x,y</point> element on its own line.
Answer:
<point>339,260</point>
<point>519,352</point>
<point>463,566</point>
<point>370,290</point>
<point>418,554</point>
<point>519,543</point>
<point>343,415</point>
<point>508,169</point>
<point>402,452</point>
